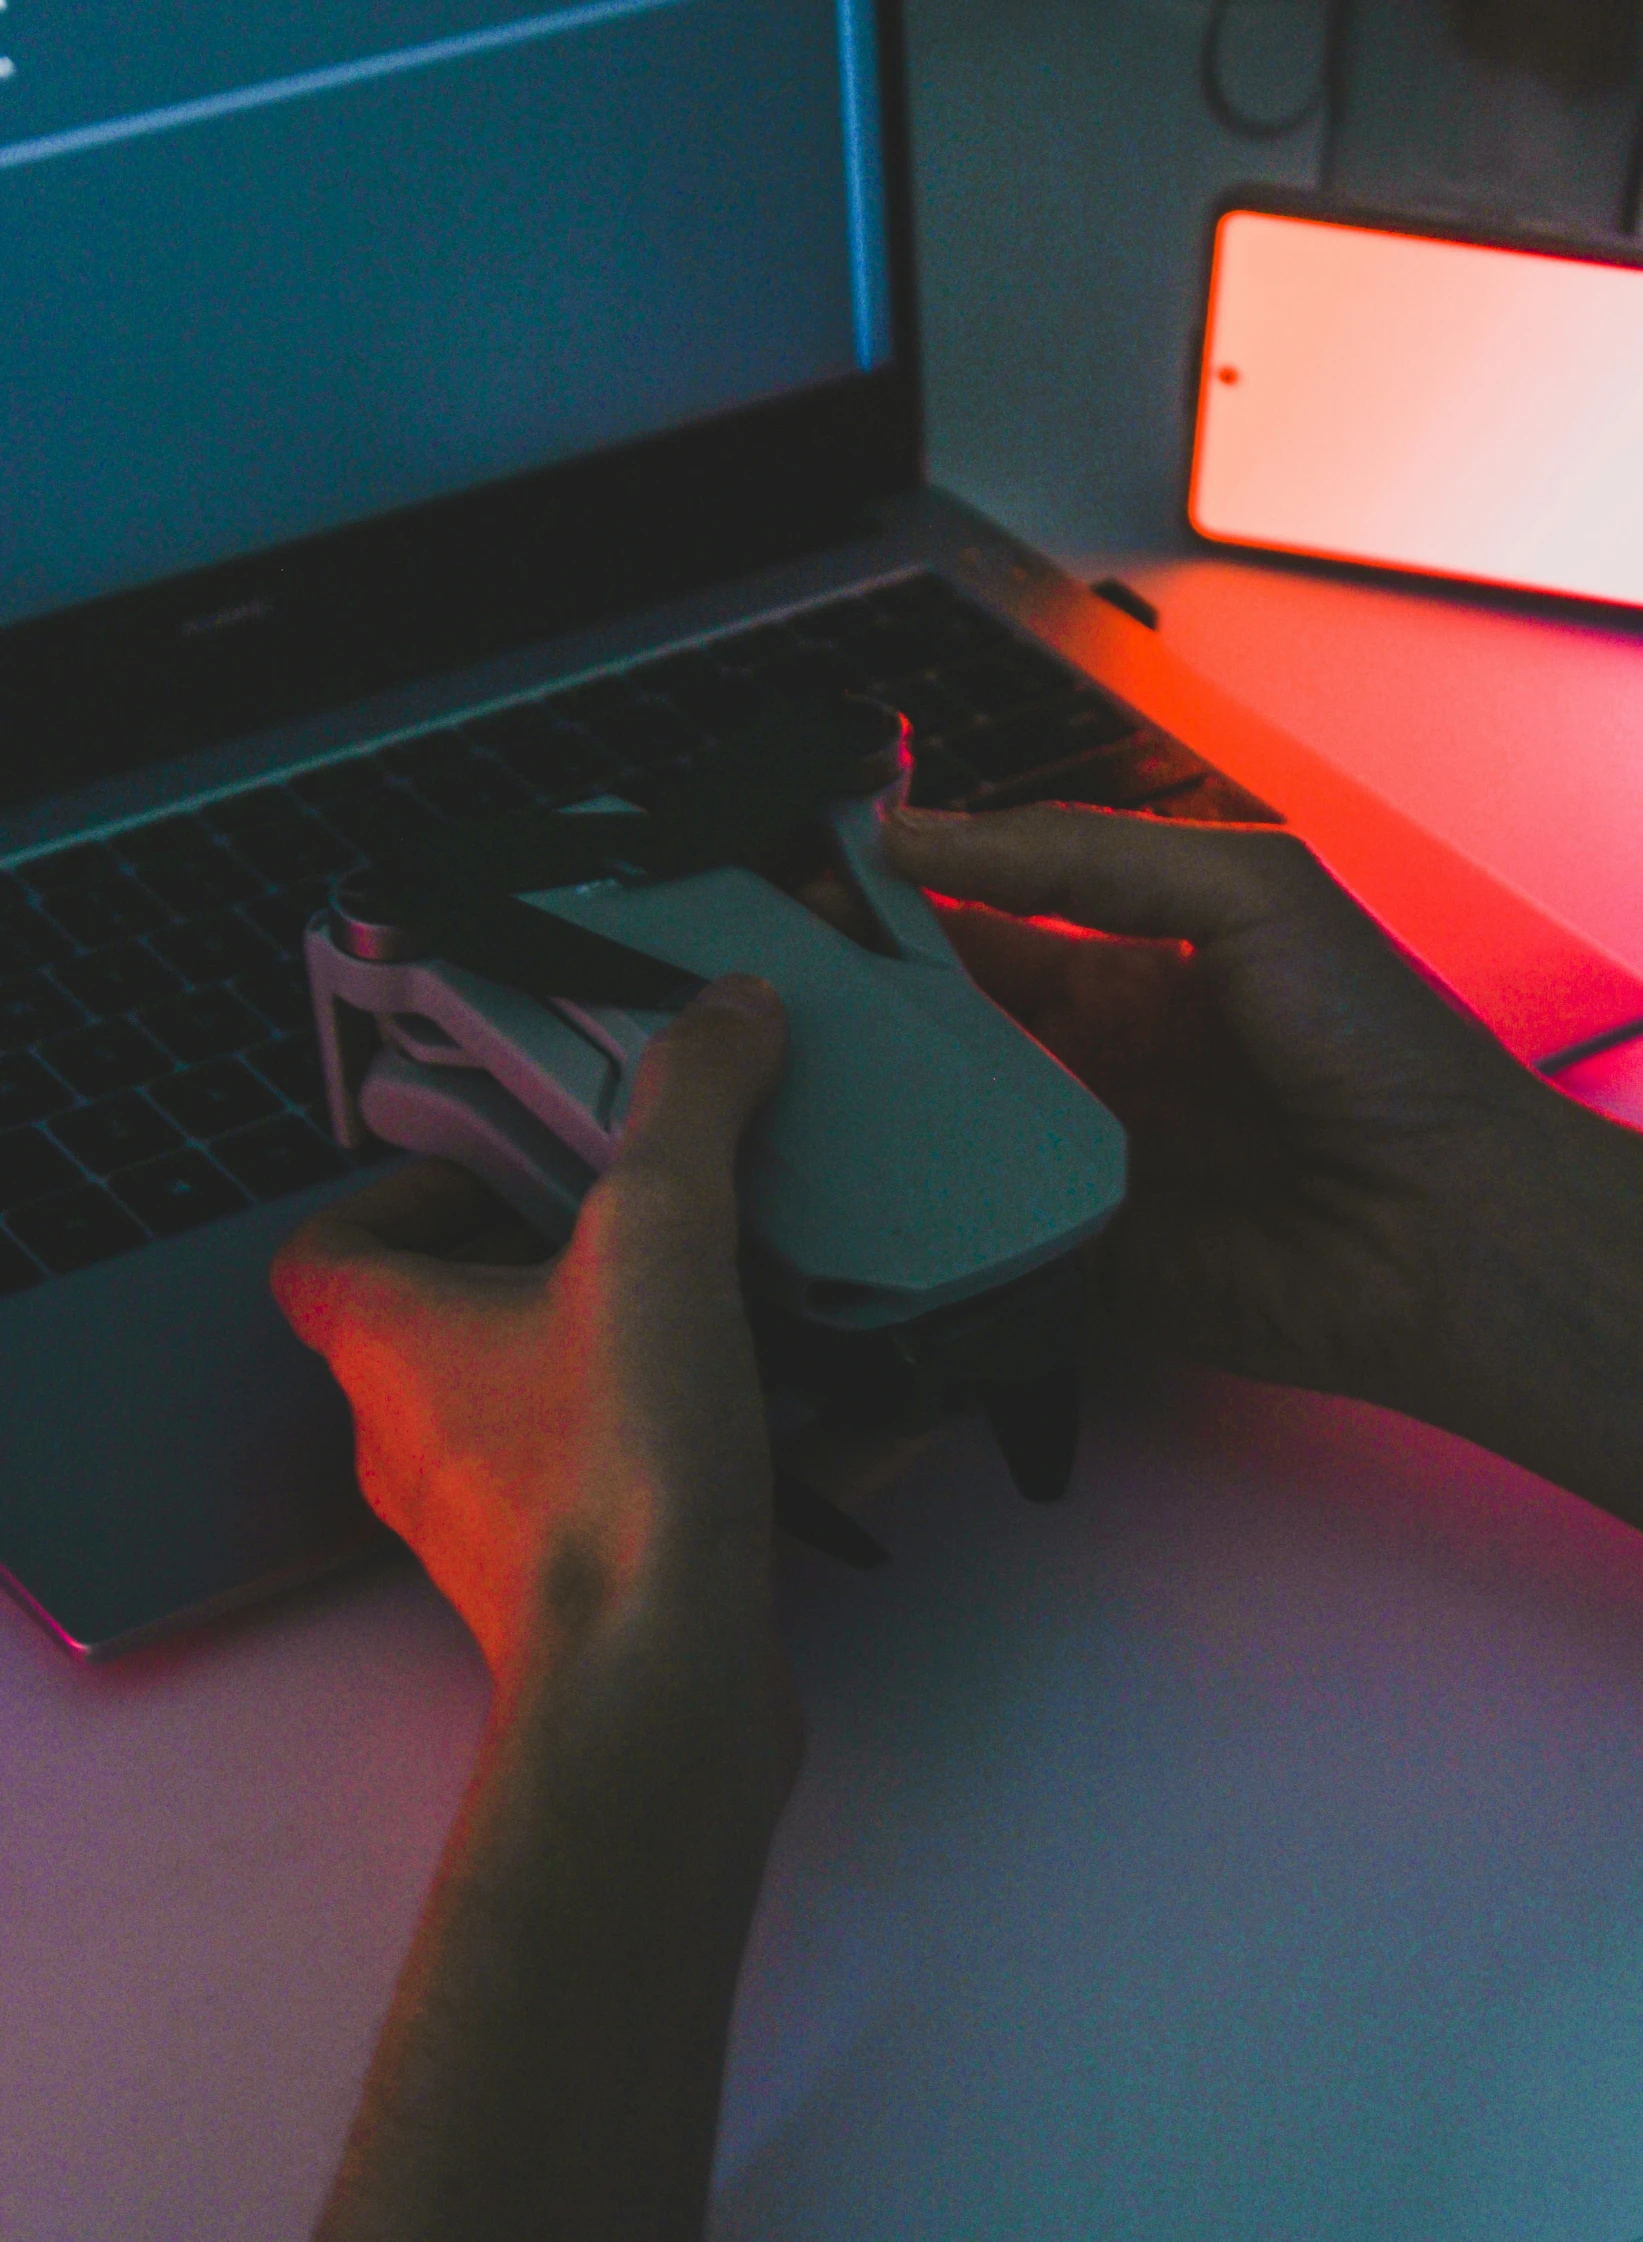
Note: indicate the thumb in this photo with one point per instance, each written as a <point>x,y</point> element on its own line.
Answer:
<point>702,1080</point>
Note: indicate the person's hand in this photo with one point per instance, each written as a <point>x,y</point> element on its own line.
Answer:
<point>545,1433</point>
<point>577,1451</point>
<point>1337,1179</point>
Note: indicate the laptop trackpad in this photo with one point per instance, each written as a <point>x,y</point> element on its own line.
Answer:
<point>168,1448</point>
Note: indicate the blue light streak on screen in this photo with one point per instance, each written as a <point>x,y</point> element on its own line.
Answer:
<point>864,159</point>
<point>305,84</point>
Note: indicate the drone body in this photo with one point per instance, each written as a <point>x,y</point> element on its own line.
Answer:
<point>914,1195</point>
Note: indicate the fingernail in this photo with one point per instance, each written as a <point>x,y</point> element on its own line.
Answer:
<point>741,992</point>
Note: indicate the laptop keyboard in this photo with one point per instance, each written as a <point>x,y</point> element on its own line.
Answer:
<point>158,1066</point>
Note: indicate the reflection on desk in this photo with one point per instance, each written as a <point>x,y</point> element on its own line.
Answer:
<point>1252,1846</point>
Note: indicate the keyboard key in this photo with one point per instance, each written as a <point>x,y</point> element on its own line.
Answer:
<point>271,831</point>
<point>79,1228</point>
<point>31,1167</point>
<point>482,788</point>
<point>177,1193</point>
<point>215,948</point>
<point>28,940</point>
<point>279,1157</point>
<point>1011,746</point>
<point>207,1100</point>
<point>940,777</point>
<point>28,1092</point>
<point>812,673</point>
<point>647,734</point>
<point>17,1270</point>
<point>719,700</point>
<point>293,1067</point>
<point>192,881</point>
<point>207,1024</point>
<point>564,766</point>
<point>280,993</point>
<point>115,1132</point>
<point>1002,684</point>
<point>532,740</point>
<point>958,631</point>
<point>375,823</point>
<point>894,650</point>
<point>927,705</point>
<point>118,980</point>
<point>113,910</point>
<point>283,917</point>
<point>115,1055</point>
<point>31,1008</point>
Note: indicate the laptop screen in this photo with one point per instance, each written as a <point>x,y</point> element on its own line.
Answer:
<point>274,271</point>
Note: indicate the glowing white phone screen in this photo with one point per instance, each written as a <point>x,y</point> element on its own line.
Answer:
<point>1421,404</point>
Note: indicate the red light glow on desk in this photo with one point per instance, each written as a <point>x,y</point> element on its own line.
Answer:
<point>1462,410</point>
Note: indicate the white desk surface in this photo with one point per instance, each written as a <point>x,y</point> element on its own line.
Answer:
<point>1252,1846</point>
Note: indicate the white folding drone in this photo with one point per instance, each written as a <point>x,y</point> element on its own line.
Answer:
<point>914,1196</point>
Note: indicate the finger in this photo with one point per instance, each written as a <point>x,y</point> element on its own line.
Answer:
<point>702,1080</point>
<point>350,1261</point>
<point>1103,868</point>
<point>833,900</point>
<point>1021,963</point>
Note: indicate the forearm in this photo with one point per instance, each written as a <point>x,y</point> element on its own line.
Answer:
<point>552,2064</point>
<point>1538,1353</point>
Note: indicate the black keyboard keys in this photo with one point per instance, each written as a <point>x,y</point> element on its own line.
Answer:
<point>178,1192</point>
<point>280,1156</point>
<point>274,834</point>
<point>192,880</point>
<point>27,940</point>
<point>31,1008</point>
<point>207,1024</point>
<point>279,992</point>
<point>111,908</point>
<point>116,1132</point>
<point>31,1167</point>
<point>214,948</point>
<point>293,1066</point>
<point>29,1091</point>
<point>480,788</point>
<point>118,980</point>
<point>76,1229</point>
<point>112,1056</point>
<point>210,1099</point>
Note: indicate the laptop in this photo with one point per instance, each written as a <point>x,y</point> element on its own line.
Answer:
<point>412,421</point>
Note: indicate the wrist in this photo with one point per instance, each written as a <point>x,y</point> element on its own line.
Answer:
<point>1537,1350</point>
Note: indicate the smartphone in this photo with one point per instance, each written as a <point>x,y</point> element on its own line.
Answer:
<point>1412,399</point>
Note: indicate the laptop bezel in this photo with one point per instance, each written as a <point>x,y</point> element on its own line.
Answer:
<point>108,687</point>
